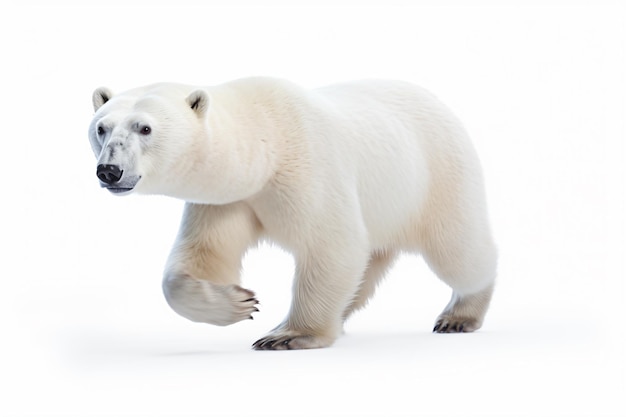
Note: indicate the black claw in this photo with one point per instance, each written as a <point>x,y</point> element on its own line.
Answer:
<point>461,327</point>
<point>271,344</point>
<point>437,326</point>
<point>267,344</point>
<point>444,329</point>
<point>256,309</point>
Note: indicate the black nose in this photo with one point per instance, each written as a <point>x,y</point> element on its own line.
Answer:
<point>109,174</point>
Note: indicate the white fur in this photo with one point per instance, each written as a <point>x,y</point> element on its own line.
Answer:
<point>345,177</point>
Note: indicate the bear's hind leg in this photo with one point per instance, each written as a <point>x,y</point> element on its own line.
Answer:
<point>202,276</point>
<point>467,262</point>
<point>464,313</point>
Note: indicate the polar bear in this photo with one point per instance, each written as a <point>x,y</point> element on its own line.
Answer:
<point>345,177</point>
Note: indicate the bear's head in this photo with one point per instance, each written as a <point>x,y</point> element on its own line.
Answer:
<point>144,139</point>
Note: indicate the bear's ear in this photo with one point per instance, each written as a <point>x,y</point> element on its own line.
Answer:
<point>198,101</point>
<point>100,96</point>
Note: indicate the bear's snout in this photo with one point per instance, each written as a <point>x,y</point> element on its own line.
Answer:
<point>109,174</point>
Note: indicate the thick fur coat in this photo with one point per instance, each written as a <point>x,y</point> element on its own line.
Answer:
<point>344,177</point>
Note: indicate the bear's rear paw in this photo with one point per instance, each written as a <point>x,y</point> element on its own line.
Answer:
<point>291,340</point>
<point>464,313</point>
<point>452,324</point>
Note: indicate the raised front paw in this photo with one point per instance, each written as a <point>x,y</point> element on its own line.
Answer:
<point>291,340</point>
<point>243,302</point>
<point>202,301</point>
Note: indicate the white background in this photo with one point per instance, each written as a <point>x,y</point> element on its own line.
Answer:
<point>85,330</point>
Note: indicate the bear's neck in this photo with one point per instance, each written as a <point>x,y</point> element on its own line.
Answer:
<point>240,153</point>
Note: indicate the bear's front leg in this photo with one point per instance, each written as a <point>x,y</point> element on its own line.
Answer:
<point>200,300</point>
<point>326,282</point>
<point>202,276</point>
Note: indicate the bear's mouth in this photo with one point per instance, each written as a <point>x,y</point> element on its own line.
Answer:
<point>119,190</point>
<point>124,186</point>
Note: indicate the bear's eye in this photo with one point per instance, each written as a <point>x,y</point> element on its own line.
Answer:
<point>145,130</point>
<point>100,131</point>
